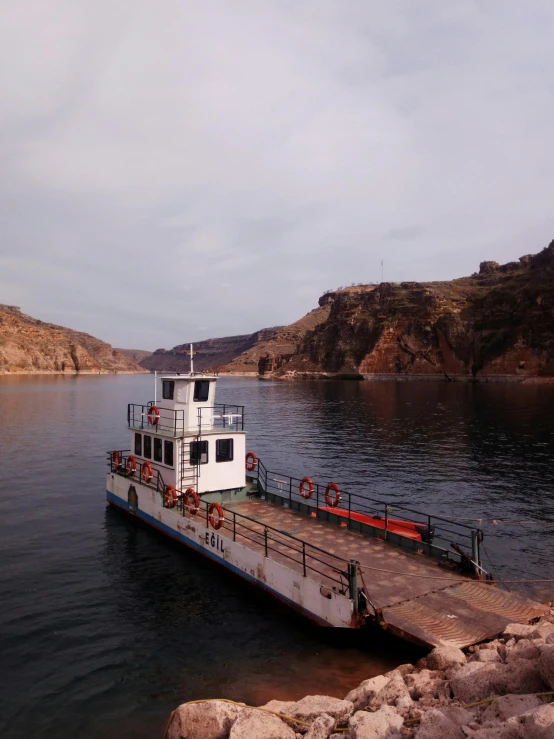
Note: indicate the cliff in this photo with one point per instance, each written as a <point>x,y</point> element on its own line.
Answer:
<point>30,345</point>
<point>497,322</point>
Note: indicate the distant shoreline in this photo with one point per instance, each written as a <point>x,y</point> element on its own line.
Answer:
<point>391,377</point>
<point>18,373</point>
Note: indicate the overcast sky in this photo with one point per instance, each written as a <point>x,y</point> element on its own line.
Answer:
<point>177,170</point>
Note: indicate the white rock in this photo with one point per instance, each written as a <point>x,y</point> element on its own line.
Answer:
<point>252,723</point>
<point>522,676</point>
<point>310,707</point>
<point>321,728</point>
<point>441,658</point>
<point>507,706</point>
<point>404,704</point>
<point>486,655</point>
<point>518,631</point>
<point>209,720</point>
<point>393,690</point>
<point>435,725</point>
<point>382,724</point>
<point>426,681</point>
<point>366,691</point>
<point>477,680</point>
<point>279,706</point>
<point>508,730</point>
<point>546,666</point>
<point>538,724</point>
<point>525,649</point>
<point>543,630</point>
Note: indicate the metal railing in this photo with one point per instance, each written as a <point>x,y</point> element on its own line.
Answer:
<point>175,422</point>
<point>222,415</point>
<point>156,481</point>
<point>399,524</point>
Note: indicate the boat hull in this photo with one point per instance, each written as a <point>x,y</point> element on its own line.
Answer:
<point>306,596</point>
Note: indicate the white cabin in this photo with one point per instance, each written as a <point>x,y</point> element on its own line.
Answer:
<point>188,438</point>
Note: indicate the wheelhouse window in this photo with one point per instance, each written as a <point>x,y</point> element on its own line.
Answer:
<point>168,389</point>
<point>201,390</point>
<point>138,445</point>
<point>224,450</point>
<point>147,451</point>
<point>168,453</point>
<point>198,452</point>
<point>157,449</point>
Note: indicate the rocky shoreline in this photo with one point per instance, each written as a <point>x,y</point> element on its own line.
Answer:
<point>502,689</point>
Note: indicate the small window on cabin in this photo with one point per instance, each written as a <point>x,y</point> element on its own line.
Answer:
<point>157,449</point>
<point>168,389</point>
<point>138,445</point>
<point>198,452</point>
<point>168,453</point>
<point>224,450</point>
<point>201,390</point>
<point>147,447</point>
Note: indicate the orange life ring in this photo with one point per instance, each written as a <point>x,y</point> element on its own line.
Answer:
<point>170,496</point>
<point>153,415</point>
<point>221,516</point>
<point>116,459</point>
<point>146,473</point>
<point>131,466</point>
<point>333,502</point>
<point>302,487</point>
<point>251,461</point>
<point>192,508</point>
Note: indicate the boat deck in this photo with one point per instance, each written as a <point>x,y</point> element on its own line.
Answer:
<point>413,596</point>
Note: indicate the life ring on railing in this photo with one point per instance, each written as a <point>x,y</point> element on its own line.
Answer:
<point>333,502</point>
<point>302,487</point>
<point>170,497</point>
<point>221,516</point>
<point>192,508</point>
<point>146,473</point>
<point>153,415</point>
<point>116,459</point>
<point>131,466</point>
<point>251,461</point>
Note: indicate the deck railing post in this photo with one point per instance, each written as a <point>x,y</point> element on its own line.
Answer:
<point>265,540</point>
<point>353,583</point>
<point>207,516</point>
<point>349,510</point>
<point>304,557</point>
<point>290,492</point>
<point>386,521</point>
<point>317,500</point>
<point>234,526</point>
<point>475,537</point>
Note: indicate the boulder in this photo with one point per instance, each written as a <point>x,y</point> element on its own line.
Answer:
<point>543,630</point>
<point>518,631</point>
<point>425,682</point>
<point>310,707</point>
<point>404,704</point>
<point>441,658</point>
<point>435,725</point>
<point>507,730</point>
<point>546,666</point>
<point>383,724</point>
<point>507,706</point>
<point>524,649</point>
<point>209,720</point>
<point>538,724</point>
<point>478,680</point>
<point>486,655</point>
<point>279,706</point>
<point>251,723</point>
<point>393,690</point>
<point>366,691</point>
<point>522,676</point>
<point>321,728</point>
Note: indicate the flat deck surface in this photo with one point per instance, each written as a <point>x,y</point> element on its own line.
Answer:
<point>417,599</point>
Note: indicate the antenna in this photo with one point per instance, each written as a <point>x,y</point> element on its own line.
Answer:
<point>155,384</point>
<point>192,353</point>
<point>382,269</point>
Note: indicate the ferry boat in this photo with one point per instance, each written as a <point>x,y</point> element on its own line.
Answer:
<point>342,559</point>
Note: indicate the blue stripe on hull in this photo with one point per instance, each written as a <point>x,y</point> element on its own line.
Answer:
<point>182,539</point>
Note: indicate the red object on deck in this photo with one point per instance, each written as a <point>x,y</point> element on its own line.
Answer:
<point>394,525</point>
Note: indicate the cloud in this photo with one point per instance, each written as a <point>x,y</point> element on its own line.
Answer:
<point>153,154</point>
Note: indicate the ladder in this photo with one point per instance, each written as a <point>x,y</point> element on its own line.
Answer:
<point>189,474</point>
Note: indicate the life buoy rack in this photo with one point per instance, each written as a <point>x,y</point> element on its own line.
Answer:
<point>333,502</point>
<point>153,415</point>
<point>131,466</point>
<point>193,507</point>
<point>216,524</point>
<point>251,461</point>
<point>146,473</point>
<point>306,481</point>
<point>116,459</point>
<point>170,496</point>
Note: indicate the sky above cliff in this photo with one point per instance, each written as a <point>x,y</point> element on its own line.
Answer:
<point>181,170</point>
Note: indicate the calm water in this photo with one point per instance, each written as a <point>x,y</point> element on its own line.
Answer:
<point>105,627</point>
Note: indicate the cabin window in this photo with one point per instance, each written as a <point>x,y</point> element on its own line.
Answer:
<point>168,389</point>
<point>147,453</point>
<point>198,452</point>
<point>224,450</point>
<point>138,445</point>
<point>201,390</point>
<point>157,449</point>
<point>168,453</point>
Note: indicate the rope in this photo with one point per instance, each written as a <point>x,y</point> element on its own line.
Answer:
<point>449,579</point>
<point>412,721</point>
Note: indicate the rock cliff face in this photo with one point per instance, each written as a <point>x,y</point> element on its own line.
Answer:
<point>497,322</point>
<point>29,345</point>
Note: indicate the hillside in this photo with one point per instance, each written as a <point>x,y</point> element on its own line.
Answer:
<point>497,322</point>
<point>30,345</point>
